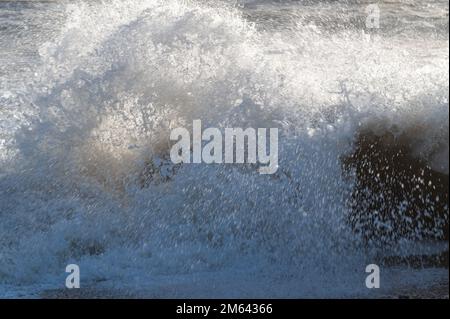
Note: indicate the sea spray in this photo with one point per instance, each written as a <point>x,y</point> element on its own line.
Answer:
<point>87,177</point>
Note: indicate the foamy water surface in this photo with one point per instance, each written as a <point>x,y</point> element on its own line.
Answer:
<point>90,91</point>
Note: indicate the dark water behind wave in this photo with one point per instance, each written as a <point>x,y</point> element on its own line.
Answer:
<point>90,91</point>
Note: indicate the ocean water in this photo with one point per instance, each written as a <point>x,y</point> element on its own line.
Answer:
<point>90,90</point>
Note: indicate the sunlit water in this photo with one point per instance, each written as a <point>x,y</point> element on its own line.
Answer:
<point>90,91</point>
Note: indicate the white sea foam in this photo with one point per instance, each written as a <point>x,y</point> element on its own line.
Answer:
<point>85,144</point>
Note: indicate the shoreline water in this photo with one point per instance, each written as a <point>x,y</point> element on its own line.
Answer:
<point>90,90</point>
